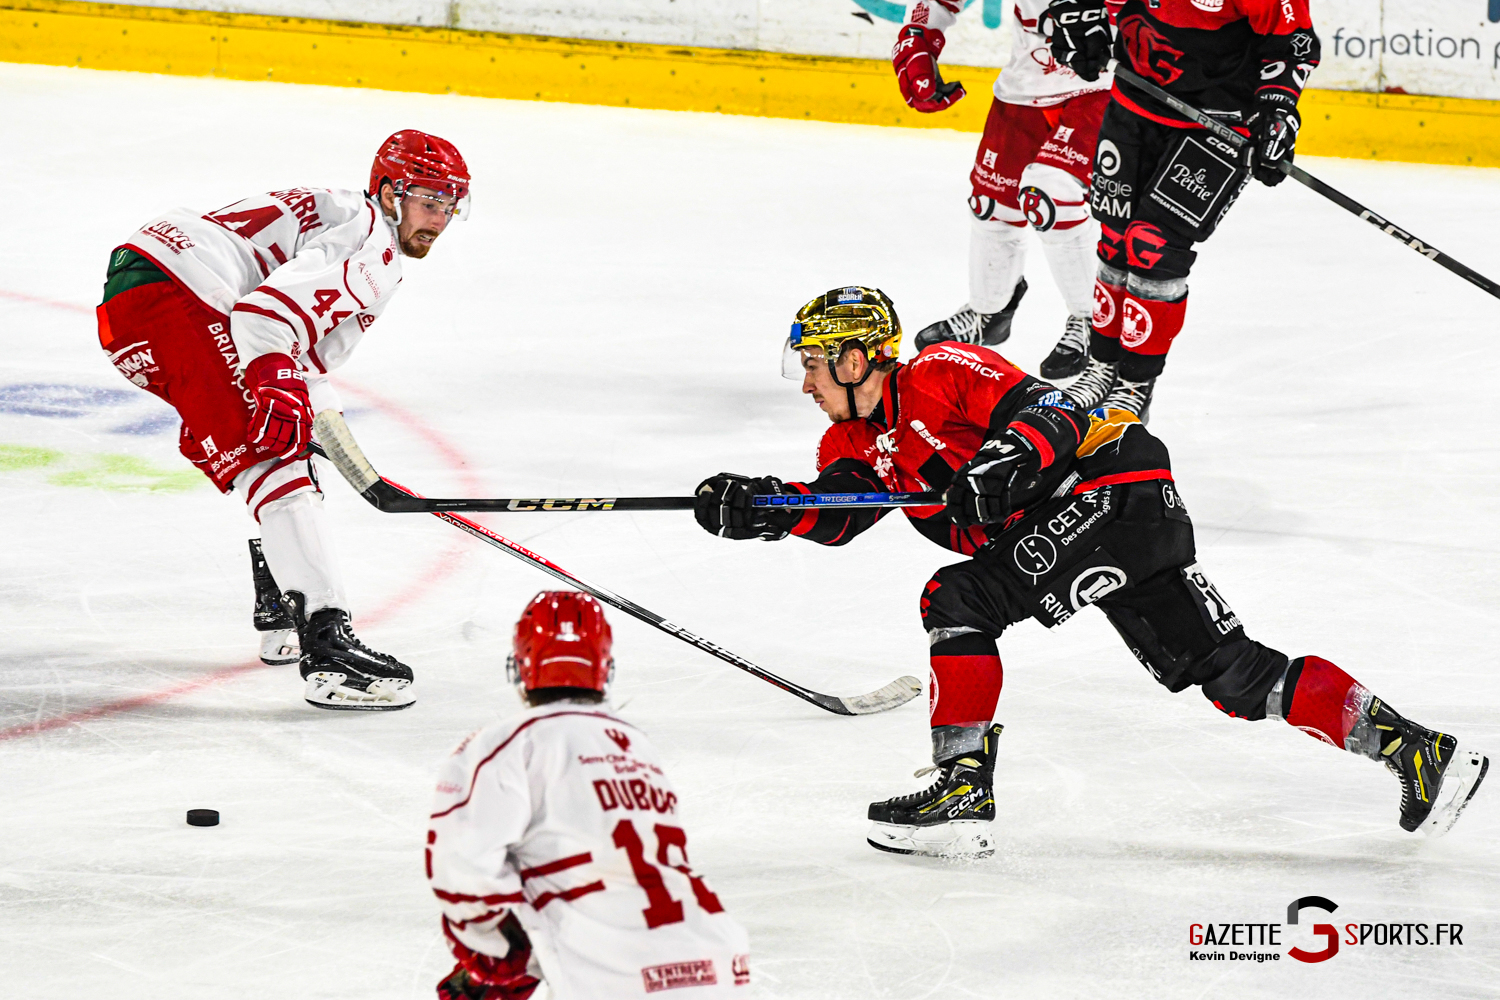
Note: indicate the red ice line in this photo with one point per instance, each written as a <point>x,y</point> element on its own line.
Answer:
<point>440,568</point>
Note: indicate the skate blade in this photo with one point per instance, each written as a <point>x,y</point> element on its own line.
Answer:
<point>278,648</point>
<point>1460,782</point>
<point>961,838</point>
<point>327,690</point>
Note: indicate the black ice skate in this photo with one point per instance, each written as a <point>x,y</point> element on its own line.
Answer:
<point>1093,385</point>
<point>969,327</point>
<point>949,819</point>
<point>342,672</point>
<point>278,640</point>
<point>1132,396</point>
<point>1438,777</point>
<point>1071,354</point>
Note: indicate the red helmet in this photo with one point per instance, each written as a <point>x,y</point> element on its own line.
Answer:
<point>562,640</point>
<point>416,159</point>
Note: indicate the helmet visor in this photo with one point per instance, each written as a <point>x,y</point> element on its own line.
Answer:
<point>794,360</point>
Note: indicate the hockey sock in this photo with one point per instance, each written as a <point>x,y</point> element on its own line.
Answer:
<point>1070,256</point>
<point>966,680</point>
<point>1151,316</point>
<point>1104,329</point>
<point>1320,699</point>
<point>997,258</point>
<point>295,541</point>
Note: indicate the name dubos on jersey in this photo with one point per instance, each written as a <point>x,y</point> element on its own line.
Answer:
<point>564,816</point>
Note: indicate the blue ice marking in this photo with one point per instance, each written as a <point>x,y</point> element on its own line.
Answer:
<point>50,399</point>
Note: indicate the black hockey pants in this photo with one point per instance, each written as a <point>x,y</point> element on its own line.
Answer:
<point>1127,548</point>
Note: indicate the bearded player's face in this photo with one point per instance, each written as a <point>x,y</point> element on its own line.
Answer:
<point>424,215</point>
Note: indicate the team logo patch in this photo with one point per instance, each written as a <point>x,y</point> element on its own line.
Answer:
<point>1135,324</point>
<point>621,740</point>
<point>1104,306</point>
<point>1038,208</point>
<point>1212,6</point>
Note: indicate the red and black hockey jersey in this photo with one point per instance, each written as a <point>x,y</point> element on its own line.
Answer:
<point>934,414</point>
<point>1213,54</point>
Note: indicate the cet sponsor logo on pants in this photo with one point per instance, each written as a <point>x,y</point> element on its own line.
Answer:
<point>676,975</point>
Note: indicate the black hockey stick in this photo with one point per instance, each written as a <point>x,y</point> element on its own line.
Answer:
<point>384,496</point>
<point>340,448</point>
<point>1295,172</point>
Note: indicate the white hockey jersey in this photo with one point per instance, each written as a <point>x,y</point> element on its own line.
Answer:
<point>1030,76</point>
<point>302,272</point>
<point>564,815</point>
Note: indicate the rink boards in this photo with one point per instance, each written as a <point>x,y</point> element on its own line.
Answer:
<point>1352,124</point>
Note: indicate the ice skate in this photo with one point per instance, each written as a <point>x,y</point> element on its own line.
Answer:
<point>1093,385</point>
<point>969,327</point>
<point>951,818</point>
<point>1071,354</point>
<point>278,633</point>
<point>1438,777</point>
<point>341,671</point>
<point>1134,397</point>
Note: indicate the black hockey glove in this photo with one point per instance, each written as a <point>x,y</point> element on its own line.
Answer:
<point>1273,135</point>
<point>1025,463</point>
<point>723,506</point>
<point>1080,35</point>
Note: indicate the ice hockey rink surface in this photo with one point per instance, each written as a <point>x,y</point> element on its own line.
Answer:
<point>609,323</point>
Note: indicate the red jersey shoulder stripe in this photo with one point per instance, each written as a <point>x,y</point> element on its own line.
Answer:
<point>474,777</point>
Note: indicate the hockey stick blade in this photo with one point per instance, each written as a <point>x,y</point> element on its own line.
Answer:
<point>1301,176</point>
<point>340,448</point>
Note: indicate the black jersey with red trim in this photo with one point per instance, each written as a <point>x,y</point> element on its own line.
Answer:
<point>1213,54</point>
<point>935,412</point>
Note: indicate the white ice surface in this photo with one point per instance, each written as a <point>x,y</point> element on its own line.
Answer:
<point>609,323</point>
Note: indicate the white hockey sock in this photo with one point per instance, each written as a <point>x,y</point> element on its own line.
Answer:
<point>1071,257</point>
<point>997,258</point>
<point>299,552</point>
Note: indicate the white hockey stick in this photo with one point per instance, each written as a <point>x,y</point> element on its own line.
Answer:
<point>340,448</point>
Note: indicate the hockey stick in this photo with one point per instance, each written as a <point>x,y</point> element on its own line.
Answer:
<point>340,448</point>
<point>384,496</point>
<point>1340,199</point>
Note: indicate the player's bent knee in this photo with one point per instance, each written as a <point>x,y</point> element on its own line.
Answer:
<point>959,597</point>
<point>1242,673</point>
<point>277,481</point>
<point>1051,199</point>
<point>991,212</point>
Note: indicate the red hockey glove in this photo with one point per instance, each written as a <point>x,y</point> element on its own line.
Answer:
<point>1080,35</point>
<point>485,977</point>
<point>915,58</point>
<point>723,506</point>
<point>281,423</point>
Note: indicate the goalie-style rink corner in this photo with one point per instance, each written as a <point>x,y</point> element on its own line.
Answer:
<point>608,324</point>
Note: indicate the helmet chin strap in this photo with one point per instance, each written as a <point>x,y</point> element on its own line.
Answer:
<point>849,387</point>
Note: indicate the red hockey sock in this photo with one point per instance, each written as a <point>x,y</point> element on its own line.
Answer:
<point>1147,326</point>
<point>964,689</point>
<point>1325,701</point>
<point>1107,301</point>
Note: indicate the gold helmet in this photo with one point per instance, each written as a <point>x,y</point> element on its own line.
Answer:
<point>841,318</point>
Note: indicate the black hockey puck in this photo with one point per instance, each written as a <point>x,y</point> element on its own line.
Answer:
<point>203,817</point>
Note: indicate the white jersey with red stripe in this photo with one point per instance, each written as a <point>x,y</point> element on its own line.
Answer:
<point>564,815</point>
<point>302,272</point>
<point>1030,76</point>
